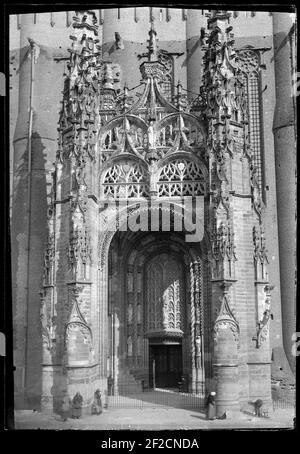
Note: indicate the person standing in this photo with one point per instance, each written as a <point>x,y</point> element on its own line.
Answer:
<point>77,406</point>
<point>258,407</point>
<point>97,404</point>
<point>211,406</point>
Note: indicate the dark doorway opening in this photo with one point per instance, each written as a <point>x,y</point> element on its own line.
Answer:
<point>165,365</point>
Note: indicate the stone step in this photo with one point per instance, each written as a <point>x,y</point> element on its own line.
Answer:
<point>127,382</point>
<point>128,379</point>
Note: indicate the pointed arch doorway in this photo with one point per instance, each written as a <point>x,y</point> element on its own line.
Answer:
<point>166,313</point>
<point>156,291</point>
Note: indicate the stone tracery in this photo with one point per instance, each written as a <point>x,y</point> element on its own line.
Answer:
<point>125,179</point>
<point>181,178</point>
<point>165,298</point>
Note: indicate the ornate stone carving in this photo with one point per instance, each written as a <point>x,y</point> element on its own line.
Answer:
<point>226,317</point>
<point>262,332</point>
<point>248,60</point>
<point>47,312</point>
<point>49,253</point>
<point>260,252</point>
<point>86,21</point>
<point>197,315</point>
<point>142,131</point>
<point>223,246</point>
<point>258,204</point>
<point>79,250</point>
<point>49,259</point>
<point>79,116</point>
<point>181,178</point>
<point>139,314</point>
<point>129,313</point>
<point>78,335</point>
<point>250,65</point>
<point>223,90</point>
<point>129,347</point>
<point>198,352</point>
<point>47,322</point>
<point>125,179</point>
<point>165,298</point>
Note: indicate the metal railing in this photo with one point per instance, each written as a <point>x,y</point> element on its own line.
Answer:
<point>156,398</point>
<point>284,403</point>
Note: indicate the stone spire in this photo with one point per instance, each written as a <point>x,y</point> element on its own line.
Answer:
<point>152,47</point>
<point>153,72</point>
<point>225,98</point>
<point>82,83</point>
<point>152,68</point>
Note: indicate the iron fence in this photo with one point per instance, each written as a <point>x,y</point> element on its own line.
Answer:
<point>284,403</point>
<point>157,397</point>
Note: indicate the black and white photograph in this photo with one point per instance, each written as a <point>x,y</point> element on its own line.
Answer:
<point>151,179</point>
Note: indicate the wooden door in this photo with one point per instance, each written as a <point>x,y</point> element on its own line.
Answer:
<point>168,365</point>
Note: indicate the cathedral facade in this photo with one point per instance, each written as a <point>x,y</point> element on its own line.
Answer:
<point>149,198</point>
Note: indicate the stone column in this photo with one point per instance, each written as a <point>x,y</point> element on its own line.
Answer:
<point>226,373</point>
<point>285,160</point>
<point>226,344</point>
<point>198,329</point>
<point>34,152</point>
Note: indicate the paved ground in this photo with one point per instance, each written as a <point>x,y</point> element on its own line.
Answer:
<point>141,415</point>
<point>154,410</point>
<point>151,419</point>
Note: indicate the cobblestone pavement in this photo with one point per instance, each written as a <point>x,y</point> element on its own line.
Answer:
<point>151,419</point>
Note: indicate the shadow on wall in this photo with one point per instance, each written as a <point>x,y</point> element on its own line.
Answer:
<point>28,236</point>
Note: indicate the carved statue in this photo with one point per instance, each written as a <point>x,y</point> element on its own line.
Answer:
<point>198,352</point>
<point>130,313</point>
<point>151,135</point>
<point>139,313</point>
<point>45,323</point>
<point>152,176</point>
<point>129,346</point>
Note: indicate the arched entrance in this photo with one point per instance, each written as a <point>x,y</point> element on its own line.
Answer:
<point>153,283</point>
<point>166,313</point>
<point>158,306</point>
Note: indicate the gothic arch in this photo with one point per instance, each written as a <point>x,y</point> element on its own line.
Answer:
<point>109,225</point>
<point>116,121</point>
<point>124,134</point>
<point>124,177</point>
<point>187,155</point>
<point>181,174</point>
<point>186,116</point>
<point>137,251</point>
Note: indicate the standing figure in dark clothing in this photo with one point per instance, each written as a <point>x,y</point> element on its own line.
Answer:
<point>211,406</point>
<point>97,404</point>
<point>77,406</point>
<point>258,407</point>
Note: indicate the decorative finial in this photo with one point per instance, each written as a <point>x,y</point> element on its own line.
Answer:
<point>118,41</point>
<point>220,14</point>
<point>218,20</point>
<point>152,55</point>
